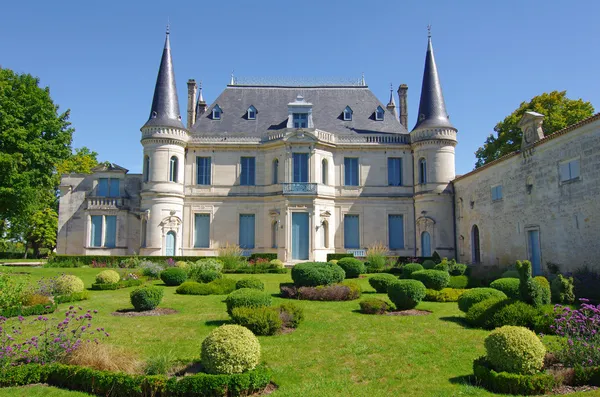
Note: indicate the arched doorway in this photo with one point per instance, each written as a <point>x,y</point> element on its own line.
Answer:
<point>425,244</point>
<point>170,244</point>
<point>475,249</point>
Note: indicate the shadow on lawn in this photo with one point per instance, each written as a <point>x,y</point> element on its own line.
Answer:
<point>217,323</point>
<point>464,380</point>
<point>456,319</point>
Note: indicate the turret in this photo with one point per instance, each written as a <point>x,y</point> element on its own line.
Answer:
<point>391,106</point>
<point>164,139</point>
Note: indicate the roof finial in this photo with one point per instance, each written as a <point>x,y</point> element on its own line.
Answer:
<point>200,96</point>
<point>429,31</point>
<point>232,82</point>
<point>168,26</point>
<point>362,79</point>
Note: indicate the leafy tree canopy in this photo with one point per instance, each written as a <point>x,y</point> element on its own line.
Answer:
<point>559,112</point>
<point>80,162</point>
<point>41,229</point>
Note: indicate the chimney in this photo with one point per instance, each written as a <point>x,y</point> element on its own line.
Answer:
<point>403,96</point>
<point>191,103</point>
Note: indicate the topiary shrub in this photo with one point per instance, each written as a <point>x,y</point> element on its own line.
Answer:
<point>406,294</point>
<point>545,296</point>
<point>515,349</point>
<point>510,312</point>
<point>250,282</point>
<point>182,264</point>
<point>434,279</point>
<point>533,291</point>
<point>247,297</point>
<point>374,306</point>
<point>277,262</point>
<point>312,274</point>
<point>508,383</point>
<point>352,266</point>
<point>380,282</point>
<point>291,314</point>
<point>173,276</point>
<point>67,284</point>
<point>222,286</point>
<point>442,266</point>
<point>208,264</point>
<point>563,290</point>
<point>510,286</point>
<point>476,295</point>
<point>193,288</point>
<point>333,261</point>
<point>208,276</point>
<point>510,274</point>
<point>458,282</point>
<point>259,320</point>
<point>107,277</point>
<point>146,298</point>
<point>445,295</point>
<point>478,312</point>
<point>428,264</point>
<point>457,269</point>
<point>230,349</point>
<point>409,268</point>
<point>344,291</point>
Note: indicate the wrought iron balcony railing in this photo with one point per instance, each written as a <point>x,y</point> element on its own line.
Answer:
<point>299,188</point>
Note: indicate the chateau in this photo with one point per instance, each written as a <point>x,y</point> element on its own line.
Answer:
<point>303,171</point>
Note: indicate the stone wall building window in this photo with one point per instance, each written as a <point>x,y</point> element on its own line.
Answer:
<point>246,231</point>
<point>203,170</point>
<point>248,177</point>
<point>569,170</point>
<point>350,171</point>
<point>496,193</point>
<point>173,166</point>
<point>475,248</point>
<point>351,231</point>
<point>422,171</point>
<point>202,231</point>
<point>396,232</point>
<point>103,231</point>
<point>395,171</point>
<point>146,168</point>
<point>108,187</point>
<point>275,172</point>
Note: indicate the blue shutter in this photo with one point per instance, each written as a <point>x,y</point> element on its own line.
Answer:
<point>247,176</point>
<point>394,171</point>
<point>96,235</point>
<point>275,171</point>
<point>351,232</point>
<point>102,187</point>
<point>114,188</point>
<point>300,167</point>
<point>203,170</point>
<point>351,171</point>
<point>247,231</point>
<point>110,233</point>
<point>425,244</point>
<point>396,231</point>
<point>300,235</point>
<point>202,231</point>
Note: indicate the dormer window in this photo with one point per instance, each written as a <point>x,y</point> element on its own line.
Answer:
<point>300,120</point>
<point>379,113</point>
<point>216,113</point>
<point>347,113</point>
<point>251,113</point>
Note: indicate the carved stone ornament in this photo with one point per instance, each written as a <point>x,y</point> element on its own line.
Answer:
<point>171,223</point>
<point>274,212</point>
<point>425,224</point>
<point>531,125</point>
<point>325,214</point>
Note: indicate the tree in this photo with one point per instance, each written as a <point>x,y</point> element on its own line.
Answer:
<point>34,138</point>
<point>41,230</point>
<point>559,112</point>
<point>80,162</point>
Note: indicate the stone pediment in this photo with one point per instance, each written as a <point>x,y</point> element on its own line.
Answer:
<point>109,167</point>
<point>301,136</point>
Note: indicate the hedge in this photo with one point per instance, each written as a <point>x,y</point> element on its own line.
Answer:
<point>16,311</point>
<point>119,384</point>
<point>111,260</point>
<point>508,383</point>
<point>396,259</point>
<point>119,285</point>
<point>337,257</point>
<point>256,270</point>
<point>264,255</point>
<point>76,297</point>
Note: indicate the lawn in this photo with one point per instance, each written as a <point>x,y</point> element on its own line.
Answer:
<point>336,351</point>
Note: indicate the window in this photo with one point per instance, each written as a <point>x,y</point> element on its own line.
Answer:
<point>569,170</point>
<point>351,171</point>
<point>173,168</point>
<point>496,193</point>
<point>300,167</point>
<point>274,234</point>
<point>324,171</point>
<point>203,170</point>
<point>202,230</point>
<point>108,187</point>
<point>251,113</point>
<point>396,232</point>
<point>422,171</point>
<point>216,113</point>
<point>475,249</point>
<point>351,231</point>
<point>103,231</point>
<point>247,177</point>
<point>300,120</point>
<point>143,233</point>
<point>146,168</point>
<point>347,113</point>
<point>247,231</point>
<point>379,113</point>
<point>325,228</point>
<point>275,172</point>
<point>395,171</point>
<point>425,244</point>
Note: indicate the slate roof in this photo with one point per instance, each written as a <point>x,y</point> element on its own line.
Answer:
<point>271,103</point>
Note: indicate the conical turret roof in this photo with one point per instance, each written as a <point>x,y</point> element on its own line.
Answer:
<point>432,108</point>
<point>165,105</point>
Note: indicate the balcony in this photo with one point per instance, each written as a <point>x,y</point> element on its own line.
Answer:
<point>299,188</point>
<point>107,203</point>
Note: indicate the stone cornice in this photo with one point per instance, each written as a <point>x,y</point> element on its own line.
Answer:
<point>164,133</point>
<point>428,134</point>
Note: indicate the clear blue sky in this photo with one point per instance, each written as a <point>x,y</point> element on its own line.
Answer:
<point>100,59</point>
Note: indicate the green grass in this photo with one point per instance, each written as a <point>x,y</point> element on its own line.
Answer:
<point>22,260</point>
<point>336,351</point>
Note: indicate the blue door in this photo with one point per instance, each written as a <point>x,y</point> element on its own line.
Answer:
<point>535,256</point>
<point>170,248</point>
<point>299,235</point>
<point>425,244</point>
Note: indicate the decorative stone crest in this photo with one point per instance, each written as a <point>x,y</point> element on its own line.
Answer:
<point>531,125</point>
<point>171,223</point>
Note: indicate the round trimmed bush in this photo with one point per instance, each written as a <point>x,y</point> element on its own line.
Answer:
<point>259,320</point>
<point>277,263</point>
<point>182,264</point>
<point>509,312</point>
<point>107,277</point>
<point>443,266</point>
<point>476,295</point>
<point>373,306</point>
<point>515,349</point>
<point>173,276</point>
<point>250,282</point>
<point>381,282</point>
<point>428,264</point>
<point>352,266</point>
<point>406,294</point>
<point>510,274</point>
<point>67,284</point>
<point>312,274</point>
<point>477,313</point>
<point>458,282</point>
<point>409,268</point>
<point>230,349</point>
<point>333,261</point>
<point>434,279</point>
<point>146,298</point>
<point>207,276</point>
<point>510,286</point>
<point>247,297</point>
